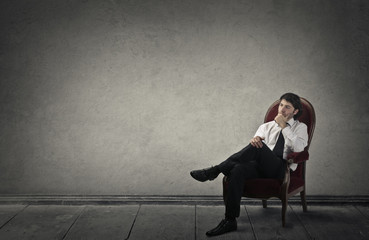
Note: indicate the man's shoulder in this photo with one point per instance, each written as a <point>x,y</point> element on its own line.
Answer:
<point>299,124</point>
<point>270,123</point>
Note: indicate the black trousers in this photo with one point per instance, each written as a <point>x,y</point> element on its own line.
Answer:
<point>250,162</point>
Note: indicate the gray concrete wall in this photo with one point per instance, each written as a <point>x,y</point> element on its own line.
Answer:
<point>126,97</point>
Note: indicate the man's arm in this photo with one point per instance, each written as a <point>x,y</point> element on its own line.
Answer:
<point>296,140</point>
<point>256,141</point>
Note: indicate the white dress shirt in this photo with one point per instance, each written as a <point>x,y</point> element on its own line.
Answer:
<point>295,136</point>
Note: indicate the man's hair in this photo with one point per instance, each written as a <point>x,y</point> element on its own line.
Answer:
<point>295,101</point>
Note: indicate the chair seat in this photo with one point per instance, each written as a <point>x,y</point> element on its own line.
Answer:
<point>262,187</point>
<point>295,183</point>
<point>266,187</point>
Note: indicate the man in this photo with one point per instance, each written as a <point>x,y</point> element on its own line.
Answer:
<point>284,135</point>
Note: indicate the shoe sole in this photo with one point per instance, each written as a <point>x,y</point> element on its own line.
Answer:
<point>196,178</point>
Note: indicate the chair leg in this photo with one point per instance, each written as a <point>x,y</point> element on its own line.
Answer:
<point>264,203</point>
<point>284,209</point>
<point>303,201</point>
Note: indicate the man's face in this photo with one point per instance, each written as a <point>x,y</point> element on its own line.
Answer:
<point>286,109</point>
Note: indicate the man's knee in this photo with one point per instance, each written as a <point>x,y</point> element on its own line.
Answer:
<point>244,171</point>
<point>238,171</point>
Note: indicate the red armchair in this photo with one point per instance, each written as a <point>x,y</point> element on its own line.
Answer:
<point>294,181</point>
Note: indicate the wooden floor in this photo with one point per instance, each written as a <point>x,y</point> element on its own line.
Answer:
<point>186,222</point>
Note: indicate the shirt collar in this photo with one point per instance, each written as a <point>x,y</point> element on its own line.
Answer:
<point>291,121</point>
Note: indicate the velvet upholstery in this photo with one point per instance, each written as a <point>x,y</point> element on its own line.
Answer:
<point>294,181</point>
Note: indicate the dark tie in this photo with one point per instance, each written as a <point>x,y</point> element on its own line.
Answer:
<point>279,146</point>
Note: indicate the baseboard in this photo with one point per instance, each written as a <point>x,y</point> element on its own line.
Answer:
<point>167,199</point>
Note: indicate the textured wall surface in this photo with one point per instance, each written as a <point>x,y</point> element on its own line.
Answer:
<point>126,97</point>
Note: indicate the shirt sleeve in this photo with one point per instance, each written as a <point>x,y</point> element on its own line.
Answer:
<point>296,140</point>
<point>261,131</point>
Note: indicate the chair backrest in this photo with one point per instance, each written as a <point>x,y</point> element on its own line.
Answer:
<point>307,117</point>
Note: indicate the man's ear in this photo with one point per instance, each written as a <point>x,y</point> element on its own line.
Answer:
<point>295,112</point>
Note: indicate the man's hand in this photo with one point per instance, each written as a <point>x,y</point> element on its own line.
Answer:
<point>257,142</point>
<point>281,120</point>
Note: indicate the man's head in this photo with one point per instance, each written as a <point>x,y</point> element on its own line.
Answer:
<point>290,106</point>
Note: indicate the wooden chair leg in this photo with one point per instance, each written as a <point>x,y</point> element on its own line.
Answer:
<point>303,200</point>
<point>284,209</point>
<point>264,203</point>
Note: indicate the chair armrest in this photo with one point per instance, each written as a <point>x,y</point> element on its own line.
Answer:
<point>298,157</point>
<point>286,179</point>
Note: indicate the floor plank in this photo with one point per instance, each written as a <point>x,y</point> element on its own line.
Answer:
<point>164,222</point>
<point>104,222</point>
<point>334,222</point>
<point>180,222</point>
<point>364,210</point>
<point>208,217</point>
<point>267,223</point>
<point>9,211</point>
<point>41,222</point>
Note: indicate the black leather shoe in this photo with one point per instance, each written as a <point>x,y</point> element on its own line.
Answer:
<point>224,226</point>
<point>205,174</point>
